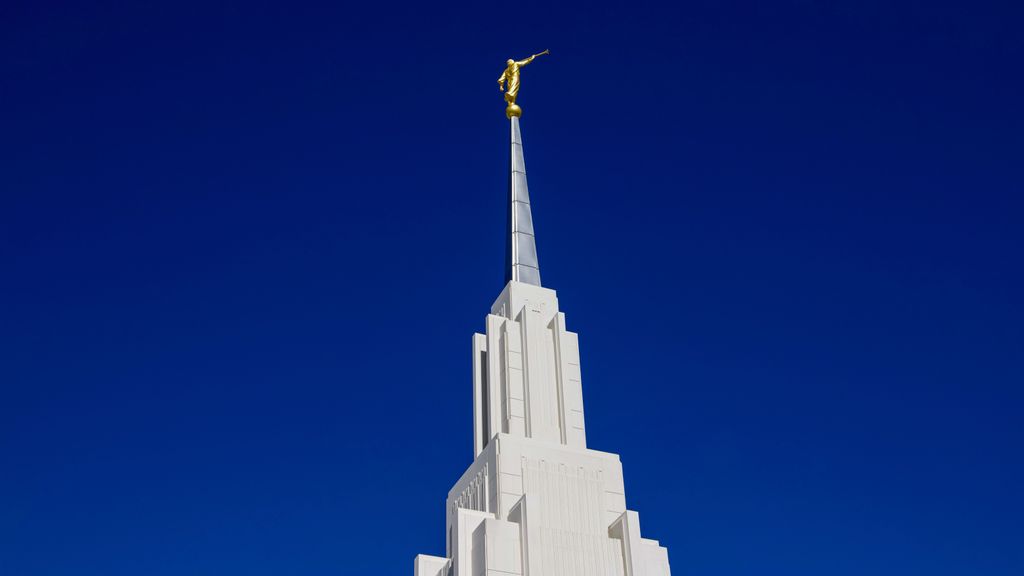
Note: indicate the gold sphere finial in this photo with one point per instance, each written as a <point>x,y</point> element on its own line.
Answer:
<point>513,110</point>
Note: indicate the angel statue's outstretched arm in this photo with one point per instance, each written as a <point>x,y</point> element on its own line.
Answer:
<point>526,61</point>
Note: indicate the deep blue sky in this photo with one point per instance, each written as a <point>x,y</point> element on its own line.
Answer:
<point>244,247</point>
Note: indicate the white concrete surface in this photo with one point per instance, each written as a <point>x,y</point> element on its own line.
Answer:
<point>536,501</point>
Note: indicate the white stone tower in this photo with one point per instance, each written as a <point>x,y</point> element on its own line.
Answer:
<point>536,501</point>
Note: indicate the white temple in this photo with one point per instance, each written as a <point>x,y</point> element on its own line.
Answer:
<point>536,501</point>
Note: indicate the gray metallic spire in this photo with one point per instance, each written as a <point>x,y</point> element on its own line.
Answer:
<point>521,254</point>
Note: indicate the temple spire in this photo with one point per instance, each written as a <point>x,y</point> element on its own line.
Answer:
<point>536,501</point>
<point>521,254</point>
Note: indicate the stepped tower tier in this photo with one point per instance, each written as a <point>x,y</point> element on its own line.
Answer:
<point>535,501</point>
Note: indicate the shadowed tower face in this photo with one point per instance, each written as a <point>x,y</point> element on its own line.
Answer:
<point>536,501</point>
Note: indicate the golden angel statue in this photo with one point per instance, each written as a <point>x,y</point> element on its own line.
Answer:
<point>511,76</point>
